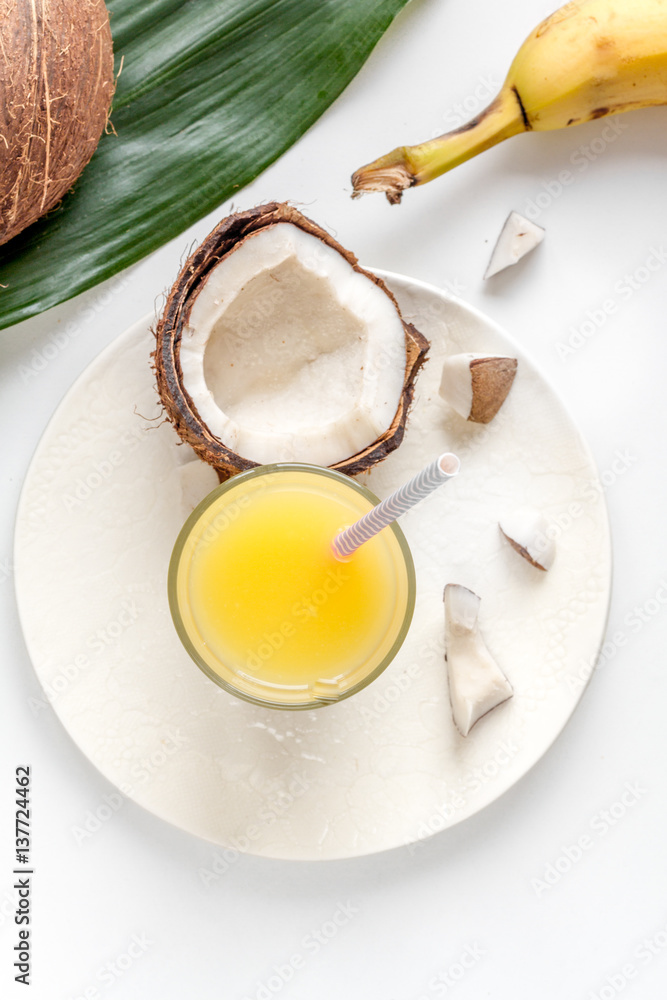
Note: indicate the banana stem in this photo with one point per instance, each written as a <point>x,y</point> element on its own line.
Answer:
<point>410,165</point>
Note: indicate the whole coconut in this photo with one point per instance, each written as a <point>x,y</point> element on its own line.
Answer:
<point>56,85</point>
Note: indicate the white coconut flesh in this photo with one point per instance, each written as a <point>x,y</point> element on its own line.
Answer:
<point>290,354</point>
<point>517,238</point>
<point>456,382</point>
<point>476,683</point>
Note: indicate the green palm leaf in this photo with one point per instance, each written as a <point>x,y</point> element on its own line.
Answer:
<point>211,92</point>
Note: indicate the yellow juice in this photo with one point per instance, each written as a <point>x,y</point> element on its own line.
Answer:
<point>264,606</point>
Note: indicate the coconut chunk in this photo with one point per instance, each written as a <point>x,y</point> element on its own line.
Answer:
<point>526,530</point>
<point>476,682</point>
<point>290,353</point>
<point>476,385</point>
<point>517,238</point>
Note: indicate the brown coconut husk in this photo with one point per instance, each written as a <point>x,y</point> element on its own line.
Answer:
<point>56,82</point>
<point>178,404</point>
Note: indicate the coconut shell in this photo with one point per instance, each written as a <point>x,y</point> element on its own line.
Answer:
<point>523,551</point>
<point>56,85</point>
<point>178,404</point>
<point>491,381</point>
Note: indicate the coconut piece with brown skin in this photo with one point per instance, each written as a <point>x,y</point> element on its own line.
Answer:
<point>274,345</point>
<point>56,80</point>
<point>476,385</point>
<point>517,238</point>
<point>527,531</point>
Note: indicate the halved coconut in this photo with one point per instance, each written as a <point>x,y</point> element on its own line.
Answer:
<point>274,345</point>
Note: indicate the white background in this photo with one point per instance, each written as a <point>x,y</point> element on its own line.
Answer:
<point>506,889</point>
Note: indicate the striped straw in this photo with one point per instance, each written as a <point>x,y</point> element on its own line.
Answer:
<point>434,475</point>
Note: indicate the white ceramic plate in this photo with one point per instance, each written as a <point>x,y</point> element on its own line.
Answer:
<point>106,494</point>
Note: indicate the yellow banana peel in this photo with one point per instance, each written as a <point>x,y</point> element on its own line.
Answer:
<point>587,60</point>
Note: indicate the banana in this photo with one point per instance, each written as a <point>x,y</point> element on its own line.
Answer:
<point>587,60</point>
